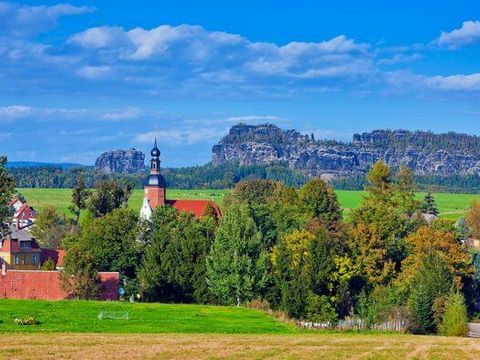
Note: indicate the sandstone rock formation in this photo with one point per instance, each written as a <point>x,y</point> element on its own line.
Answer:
<point>129,161</point>
<point>424,152</point>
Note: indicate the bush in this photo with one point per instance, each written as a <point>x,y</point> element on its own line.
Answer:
<point>455,320</point>
<point>319,309</point>
<point>29,320</point>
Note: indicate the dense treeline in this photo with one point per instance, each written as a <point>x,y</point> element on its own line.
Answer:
<point>429,142</point>
<point>195,177</point>
<point>432,183</point>
<point>224,177</point>
<point>289,249</point>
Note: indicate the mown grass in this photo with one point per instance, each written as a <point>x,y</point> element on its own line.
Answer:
<point>450,205</point>
<point>225,346</point>
<point>81,316</point>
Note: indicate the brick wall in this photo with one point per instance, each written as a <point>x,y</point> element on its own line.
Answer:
<point>47,285</point>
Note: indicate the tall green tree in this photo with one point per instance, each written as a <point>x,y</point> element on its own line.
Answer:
<point>7,189</point>
<point>380,181</point>
<point>50,228</point>
<point>174,265</point>
<point>433,280</point>
<point>110,243</point>
<point>320,201</point>
<point>405,191</point>
<point>429,206</point>
<point>80,195</point>
<point>236,266</point>
<point>109,195</point>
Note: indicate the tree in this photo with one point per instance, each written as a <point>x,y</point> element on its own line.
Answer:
<point>110,242</point>
<point>432,280</point>
<point>80,277</point>
<point>319,200</point>
<point>109,195</point>
<point>427,240</point>
<point>174,265</point>
<point>7,189</point>
<point>455,319</point>
<point>236,266</point>
<point>371,254</point>
<point>429,206</point>
<point>379,181</point>
<point>80,194</point>
<point>49,228</point>
<point>473,219</point>
<point>405,191</point>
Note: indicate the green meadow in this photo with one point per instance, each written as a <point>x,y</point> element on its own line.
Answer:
<point>450,205</point>
<point>82,316</point>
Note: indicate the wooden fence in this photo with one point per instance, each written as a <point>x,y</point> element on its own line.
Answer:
<point>358,324</point>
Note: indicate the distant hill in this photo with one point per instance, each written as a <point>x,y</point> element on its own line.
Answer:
<point>30,164</point>
<point>424,152</point>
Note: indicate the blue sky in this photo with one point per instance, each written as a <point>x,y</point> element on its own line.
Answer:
<point>82,77</point>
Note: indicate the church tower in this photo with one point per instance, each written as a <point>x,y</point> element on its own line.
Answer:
<point>155,186</point>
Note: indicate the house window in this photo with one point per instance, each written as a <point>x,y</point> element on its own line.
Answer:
<point>34,258</point>
<point>25,245</point>
<point>17,259</point>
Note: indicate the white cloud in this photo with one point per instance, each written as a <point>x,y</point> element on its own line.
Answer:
<point>224,57</point>
<point>467,34</point>
<point>458,82</point>
<point>21,20</point>
<point>94,72</point>
<point>99,37</point>
<point>130,113</point>
<point>14,112</point>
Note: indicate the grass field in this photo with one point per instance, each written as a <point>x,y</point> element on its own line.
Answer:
<point>71,330</point>
<point>451,205</point>
<point>81,316</point>
<point>198,346</point>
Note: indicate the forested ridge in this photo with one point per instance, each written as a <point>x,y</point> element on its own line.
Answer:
<point>223,176</point>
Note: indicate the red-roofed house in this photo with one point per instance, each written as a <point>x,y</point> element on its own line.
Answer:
<point>156,193</point>
<point>24,215</point>
<point>19,250</point>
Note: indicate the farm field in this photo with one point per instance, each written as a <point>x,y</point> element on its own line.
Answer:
<point>450,205</point>
<point>200,346</point>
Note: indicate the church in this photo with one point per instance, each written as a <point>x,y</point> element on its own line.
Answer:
<point>155,193</point>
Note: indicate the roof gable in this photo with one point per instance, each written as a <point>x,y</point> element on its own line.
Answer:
<point>196,207</point>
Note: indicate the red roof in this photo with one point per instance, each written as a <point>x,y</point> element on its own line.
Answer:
<point>196,207</point>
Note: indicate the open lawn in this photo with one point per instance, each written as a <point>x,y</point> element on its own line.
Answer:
<point>71,330</point>
<point>200,346</point>
<point>450,205</point>
<point>81,316</point>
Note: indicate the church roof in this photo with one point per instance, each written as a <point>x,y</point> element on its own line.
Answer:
<point>196,207</point>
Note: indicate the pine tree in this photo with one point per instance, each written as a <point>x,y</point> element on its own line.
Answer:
<point>429,206</point>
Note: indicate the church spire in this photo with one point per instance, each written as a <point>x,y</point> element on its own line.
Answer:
<point>155,161</point>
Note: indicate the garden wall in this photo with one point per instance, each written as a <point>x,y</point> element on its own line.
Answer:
<point>47,285</point>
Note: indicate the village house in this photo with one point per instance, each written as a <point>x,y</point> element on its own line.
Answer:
<point>23,215</point>
<point>155,193</point>
<point>20,251</point>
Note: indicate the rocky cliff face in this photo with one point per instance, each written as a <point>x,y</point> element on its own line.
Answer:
<point>121,161</point>
<point>424,152</point>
